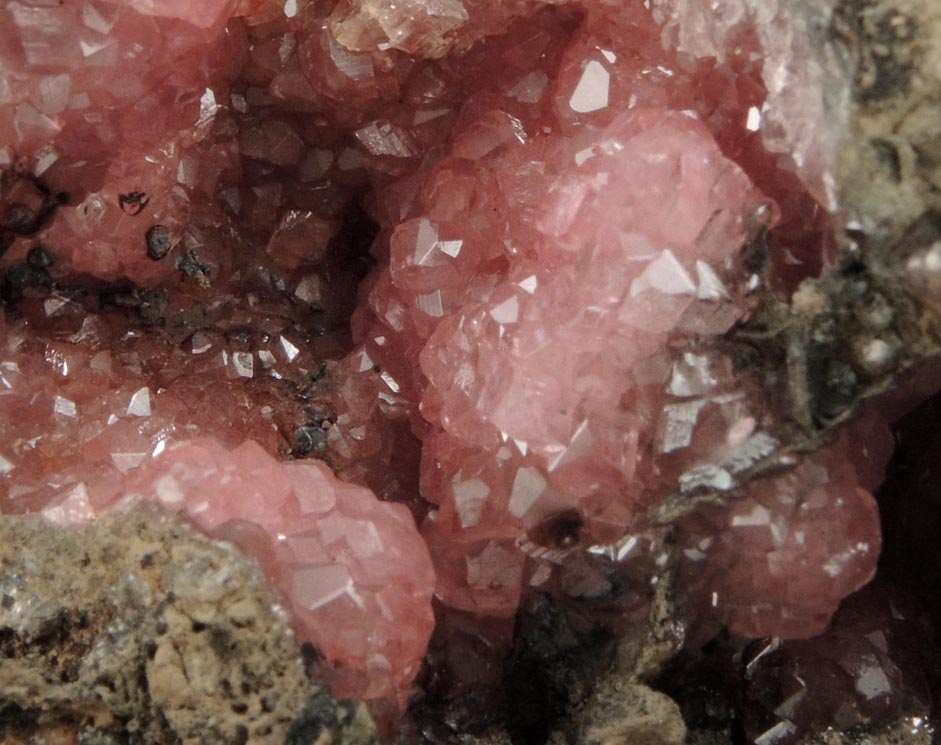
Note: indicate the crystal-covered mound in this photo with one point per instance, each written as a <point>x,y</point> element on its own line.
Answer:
<point>353,571</point>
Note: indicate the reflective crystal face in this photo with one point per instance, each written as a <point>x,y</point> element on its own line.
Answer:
<point>539,216</point>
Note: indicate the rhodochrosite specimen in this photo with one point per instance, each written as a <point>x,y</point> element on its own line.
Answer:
<point>564,206</point>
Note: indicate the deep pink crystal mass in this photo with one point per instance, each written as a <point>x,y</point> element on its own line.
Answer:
<point>565,197</point>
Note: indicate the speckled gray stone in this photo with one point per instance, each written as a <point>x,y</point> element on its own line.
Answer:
<point>136,631</point>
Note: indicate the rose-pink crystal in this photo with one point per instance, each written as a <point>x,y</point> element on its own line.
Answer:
<point>353,570</point>
<point>586,224</point>
<point>106,100</point>
<point>778,560</point>
<point>537,421</point>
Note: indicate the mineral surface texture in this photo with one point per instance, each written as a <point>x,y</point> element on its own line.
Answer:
<point>488,264</point>
<point>133,628</point>
<point>352,569</point>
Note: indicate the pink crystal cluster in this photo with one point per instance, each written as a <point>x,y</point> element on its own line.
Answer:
<point>352,570</point>
<point>553,275</point>
<point>566,196</point>
<point>776,561</point>
<point>547,391</point>
<point>98,397</point>
<point>111,99</point>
